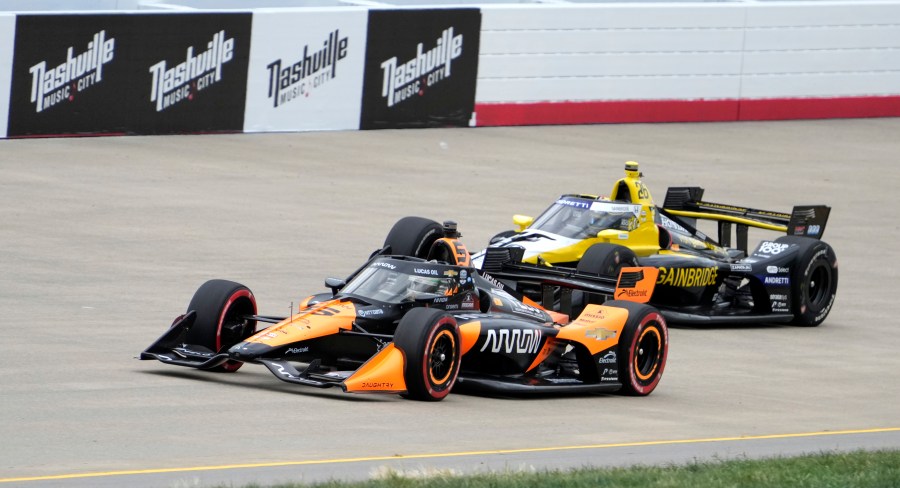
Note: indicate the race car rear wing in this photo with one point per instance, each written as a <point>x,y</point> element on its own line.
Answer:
<point>804,220</point>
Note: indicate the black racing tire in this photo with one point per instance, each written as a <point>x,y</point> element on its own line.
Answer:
<point>413,236</point>
<point>814,280</point>
<point>220,306</point>
<point>430,342</point>
<point>606,259</point>
<point>643,348</point>
<point>501,236</point>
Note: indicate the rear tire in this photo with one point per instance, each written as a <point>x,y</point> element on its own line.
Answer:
<point>430,342</point>
<point>413,236</point>
<point>220,306</point>
<point>643,348</point>
<point>606,259</point>
<point>814,280</point>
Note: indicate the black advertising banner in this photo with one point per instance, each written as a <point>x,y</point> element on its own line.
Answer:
<point>133,74</point>
<point>421,67</point>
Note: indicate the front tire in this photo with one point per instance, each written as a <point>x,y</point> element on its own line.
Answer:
<point>606,259</point>
<point>814,280</point>
<point>643,348</point>
<point>221,307</point>
<point>413,236</point>
<point>430,342</point>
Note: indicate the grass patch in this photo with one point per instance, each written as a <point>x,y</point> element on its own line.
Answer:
<point>860,469</point>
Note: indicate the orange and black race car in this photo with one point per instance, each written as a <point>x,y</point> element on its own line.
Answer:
<point>422,326</point>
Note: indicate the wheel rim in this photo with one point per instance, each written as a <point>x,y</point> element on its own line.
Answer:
<point>819,286</point>
<point>441,357</point>
<point>646,357</point>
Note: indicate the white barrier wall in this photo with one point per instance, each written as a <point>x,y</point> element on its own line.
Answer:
<point>610,52</point>
<point>821,50</point>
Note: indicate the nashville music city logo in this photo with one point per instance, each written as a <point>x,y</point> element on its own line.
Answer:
<point>310,72</point>
<point>194,74</point>
<point>426,69</point>
<point>74,75</point>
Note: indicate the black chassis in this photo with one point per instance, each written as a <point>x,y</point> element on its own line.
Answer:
<point>728,285</point>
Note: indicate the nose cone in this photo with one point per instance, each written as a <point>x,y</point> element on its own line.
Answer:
<point>244,351</point>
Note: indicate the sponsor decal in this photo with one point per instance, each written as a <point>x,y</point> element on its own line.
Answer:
<point>593,317</point>
<point>807,213</point>
<point>440,300</point>
<point>616,208</point>
<point>377,384</point>
<point>284,372</point>
<point>562,380</point>
<point>312,70</point>
<point>601,334</point>
<point>426,271</point>
<point>76,74</point>
<point>385,265</point>
<point>421,67</point>
<point>297,350</point>
<point>91,73</point>
<point>670,224</point>
<point>772,248</point>
<point>573,203</point>
<point>608,358</point>
<point>512,341</point>
<point>814,230</point>
<point>771,269</point>
<point>427,68</point>
<point>743,268</point>
<point>370,312</point>
<point>687,277</point>
<point>777,280</point>
<point>493,281</point>
<point>777,296</point>
<point>170,86</point>
<point>630,293</point>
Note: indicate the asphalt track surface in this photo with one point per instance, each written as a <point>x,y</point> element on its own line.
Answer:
<point>104,240</point>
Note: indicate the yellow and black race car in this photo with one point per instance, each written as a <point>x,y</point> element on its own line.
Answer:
<point>421,326</point>
<point>792,278</point>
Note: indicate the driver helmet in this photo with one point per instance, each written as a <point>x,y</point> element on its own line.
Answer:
<point>420,286</point>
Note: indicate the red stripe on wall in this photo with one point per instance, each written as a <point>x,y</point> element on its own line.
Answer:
<point>820,108</point>
<point>599,112</point>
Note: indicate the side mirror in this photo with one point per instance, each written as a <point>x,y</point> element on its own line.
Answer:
<point>335,284</point>
<point>522,222</point>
